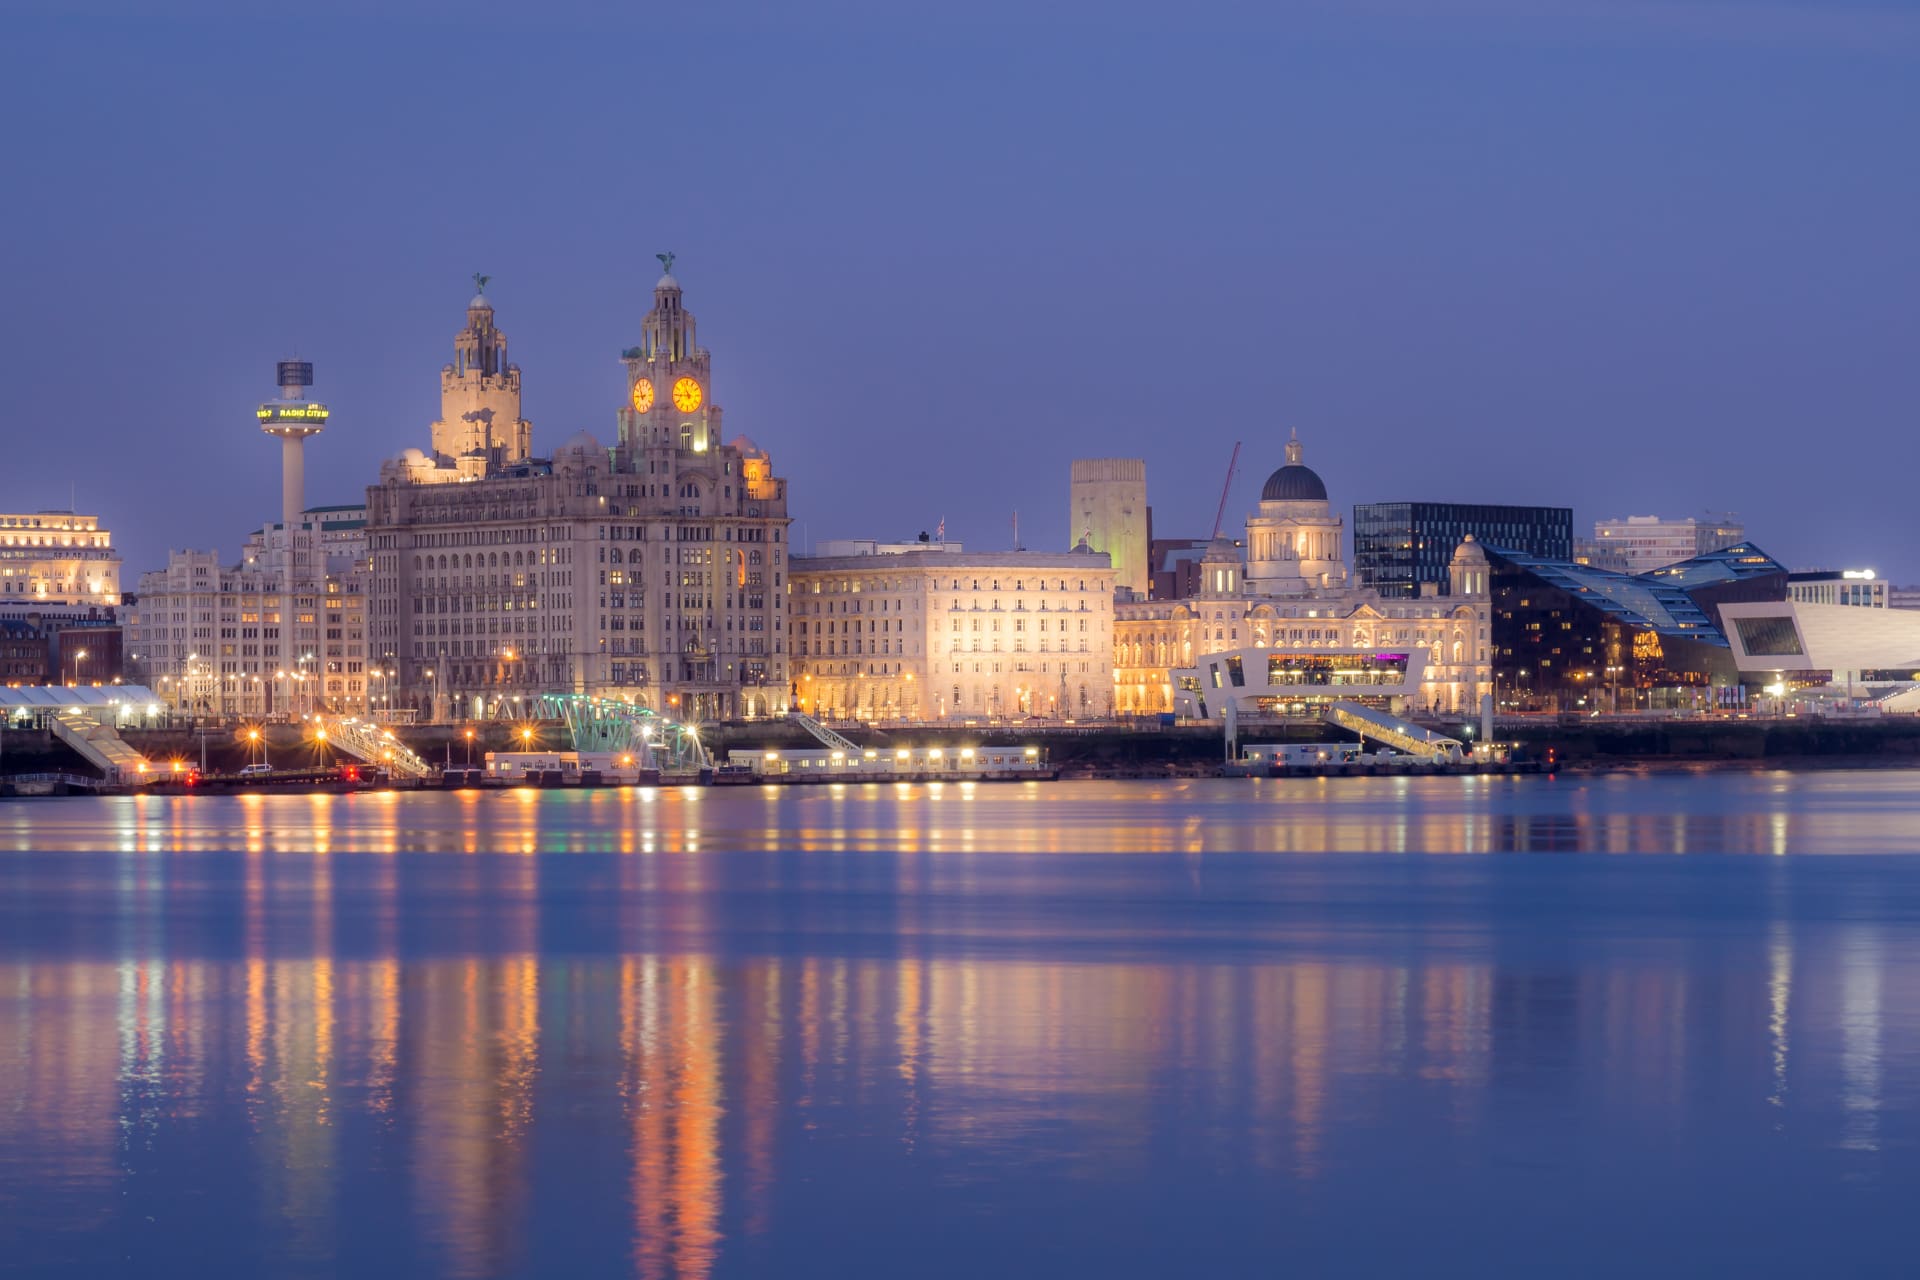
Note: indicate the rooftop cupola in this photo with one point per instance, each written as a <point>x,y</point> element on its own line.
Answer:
<point>668,329</point>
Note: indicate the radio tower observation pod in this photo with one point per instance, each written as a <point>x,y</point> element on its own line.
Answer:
<point>293,418</point>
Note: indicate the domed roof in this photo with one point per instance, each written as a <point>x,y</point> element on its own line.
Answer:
<point>582,440</point>
<point>479,303</point>
<point>666,282</point>
<point>1294,484</point>
<point>1470,552</point>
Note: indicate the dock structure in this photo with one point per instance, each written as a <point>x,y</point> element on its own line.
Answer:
<point>370,744</point>
<point>88,719</point>
<point>1401,735</point>
<point>896,764</point>
<point>613,727</point>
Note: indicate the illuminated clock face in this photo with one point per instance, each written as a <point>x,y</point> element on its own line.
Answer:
<point>643,395</point>
<point>686,395</point>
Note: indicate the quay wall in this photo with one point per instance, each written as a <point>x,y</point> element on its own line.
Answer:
<point>1892,741</point>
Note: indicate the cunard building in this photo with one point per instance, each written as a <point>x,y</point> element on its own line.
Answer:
<point>652,568</point>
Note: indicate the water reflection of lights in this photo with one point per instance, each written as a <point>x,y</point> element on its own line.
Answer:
<point>730,1070</point>
<point>1862,963</point>
<point>120,1041</point>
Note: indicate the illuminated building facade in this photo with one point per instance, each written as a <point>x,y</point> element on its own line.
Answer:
<point>652,569</point>
<point>57,557</point>
<point>952,634</point>
<point>1287,589</point>
<point>233,640</point>
<point>1292,680</point>
<point>1571,637</point>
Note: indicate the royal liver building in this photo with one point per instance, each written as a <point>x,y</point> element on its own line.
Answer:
<point>652,569</point>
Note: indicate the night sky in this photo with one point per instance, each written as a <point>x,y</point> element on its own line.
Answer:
<point>1631,258</point>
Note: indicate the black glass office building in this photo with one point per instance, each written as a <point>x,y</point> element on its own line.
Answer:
<point>1574,638</point>
<point>1402,549</point>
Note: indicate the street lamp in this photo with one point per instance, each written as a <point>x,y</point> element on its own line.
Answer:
<point>180,687</point>
<point>80,656</point>
<point>469,748</point>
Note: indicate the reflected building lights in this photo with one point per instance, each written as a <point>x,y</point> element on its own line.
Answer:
<point>1779,1005</point>
<point>1861,958</point>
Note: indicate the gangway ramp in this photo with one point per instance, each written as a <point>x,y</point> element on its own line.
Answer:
<point>1392,731</point>
<point>617,726</point>
<point>821,731</point>
<point>98,744</point>
<point>371,744</point>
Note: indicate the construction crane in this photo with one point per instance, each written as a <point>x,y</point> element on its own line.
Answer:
<point>1233,464</point>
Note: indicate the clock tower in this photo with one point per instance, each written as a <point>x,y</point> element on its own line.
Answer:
<point>669,379</point>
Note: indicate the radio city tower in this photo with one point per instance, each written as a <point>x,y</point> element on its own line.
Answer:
<point>293,418</point>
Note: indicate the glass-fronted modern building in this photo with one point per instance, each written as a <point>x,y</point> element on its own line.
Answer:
<point>1570,637</point>
<point>1401,549</point>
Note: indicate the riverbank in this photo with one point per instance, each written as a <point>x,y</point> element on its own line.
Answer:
<point>1084,751</point>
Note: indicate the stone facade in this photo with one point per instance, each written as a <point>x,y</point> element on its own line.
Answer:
<point>480,428</point>
<point>233,640</point>
<point>652,570</point>
<point>1291,589</point>
<point>951,634</point>
<point>1109,511</point>
<point>57,557</point>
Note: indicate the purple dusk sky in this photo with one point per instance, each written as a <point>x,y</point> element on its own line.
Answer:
<point>1628,257</point>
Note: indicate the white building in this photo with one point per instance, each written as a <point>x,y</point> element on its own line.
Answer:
<point>1858,588</point>
<point>333,539</point>
<point>1295,541</point>
<point>1641,543</point>
<point>952,634</point>
<point>57,557</point>
<point>652,569</point>
<point>230,639</point>
<point>1299,681</point>
<point>1289,591</point>
<point>1798,643</point>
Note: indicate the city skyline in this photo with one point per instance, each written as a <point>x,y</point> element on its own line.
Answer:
<point>1646,295</point>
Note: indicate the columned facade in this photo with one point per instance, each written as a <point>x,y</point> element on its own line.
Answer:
<point>1291,590</point>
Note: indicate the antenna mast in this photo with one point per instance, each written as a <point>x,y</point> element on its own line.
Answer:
<point>1233,464</point>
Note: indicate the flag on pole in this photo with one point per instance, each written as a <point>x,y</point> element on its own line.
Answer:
<point>941,535</point>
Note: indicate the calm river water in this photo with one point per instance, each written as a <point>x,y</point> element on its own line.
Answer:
<point>1662,1026</point>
